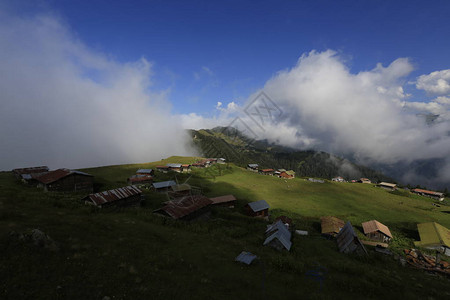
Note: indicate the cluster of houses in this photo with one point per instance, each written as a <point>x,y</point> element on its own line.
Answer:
<point>281,173</point>
<point>186,202</point>
<point>186,168</point>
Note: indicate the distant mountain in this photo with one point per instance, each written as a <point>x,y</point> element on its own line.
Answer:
<point>234,146</point>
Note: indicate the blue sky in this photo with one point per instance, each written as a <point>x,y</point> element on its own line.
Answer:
<point>210,51</point>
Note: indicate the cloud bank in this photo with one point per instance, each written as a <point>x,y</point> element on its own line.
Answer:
<point>66,105</point>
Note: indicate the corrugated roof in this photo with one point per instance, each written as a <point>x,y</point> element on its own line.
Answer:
<point>139,178</point>
<point>331,225</point>
<point>253,165</point>
<point>392,185</point>
<point>223,199</point>
<point>164,184</point>
<point>428,192</point>
<point>174,165</point>
<point>348,241</point>
<point>30,170</point>
<point>433,234</point>
<point>55,175</point>
<point>259,205</point>
<point>185,206</point>
<point>278,225</point>
<point>245,257</point>
<point>267,170</point>
<point>282,237</point>
<point>144,171</point>
<point>374,225</point>
<point>114,195</point>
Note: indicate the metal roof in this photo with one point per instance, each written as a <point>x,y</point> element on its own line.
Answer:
<point>259,205</point>
<point>144,171</point>
<point>331,225</point>
<point>253,165</point>
<point>164,184</point>
<point>139,178</point>
<point>433,234</point>
<point>282,237</point>
<point>223,199</point>
<point>428,192</point>
<point>174,165</point>
<point>374,225</point>
<point>30,170</point>
<point>185,206</point>
<point>245,257</point>
<point>392,185</point>
<point>114,195</point>
<point>267,170</point>
<point>278,225</point>
<point>55,175</point>
<point>348,241</point>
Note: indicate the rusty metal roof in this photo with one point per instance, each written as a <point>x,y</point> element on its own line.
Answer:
<point>55,175</point>
<point>223,199</point>
<point>374,225</point>
<point>348,241</point>
<point>331,225</point>
<point>428,192</point>
<point>267,170</point>
<point>114,195</point>
<point>139,178</point>
<point>41,169</point>
<point>184,206</point>
<point>164,184</point>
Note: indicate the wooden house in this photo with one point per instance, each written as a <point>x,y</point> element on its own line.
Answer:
<point>253,167</point>
<point>185,168</point>
<point>187,208</point>
<point>148,172</point>
<point>180,190</point>
<point>387,186</point>
<point>140,180</point>
<point>364,180</point>
<point>377,231</point>
<point>175,167</point>
<point>286,221</point>
<point>434,236</point>
<point>162,169</point>
<point>338,179</point>
<point>226,200</point>
<point>258,209</point>
<point>163,186</point>
<point>331,226</point>
<point>348,241</point>
<point>266,171</point>
<point>65,180</point>
<point>435,195</point>
<point>287,174</point>
<point>125,196</point>
<point>29,173</point>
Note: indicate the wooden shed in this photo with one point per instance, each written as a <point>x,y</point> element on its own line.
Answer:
<point>31,172</point>
<point>226,200</point>
<point>434,236</point>
<point>377,231</point>
<point>187,208</point>
<point>140,180</point>
<point>435,195</point>
<point>258,209</point>
<point>387,186</point>
<point>348,241</point>
<point>125,196</point>
<point>65,180</point>
<point>149,172</point>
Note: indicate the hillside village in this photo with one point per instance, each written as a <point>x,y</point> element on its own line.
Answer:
<point>187,200</point>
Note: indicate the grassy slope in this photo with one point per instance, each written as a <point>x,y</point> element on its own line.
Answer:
<point>134,254</point>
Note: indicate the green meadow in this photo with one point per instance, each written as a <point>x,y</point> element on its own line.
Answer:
<point>134,254</point>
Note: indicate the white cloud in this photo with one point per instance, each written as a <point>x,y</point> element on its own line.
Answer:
<point>66,105</point>
<point>437,82</point>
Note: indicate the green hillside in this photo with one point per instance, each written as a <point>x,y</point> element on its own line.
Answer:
<point>230,143</point>
<point>134,254</point>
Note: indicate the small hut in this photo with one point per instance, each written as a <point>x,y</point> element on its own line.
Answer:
<point>434,236</point>
<point>331,226</point>
<point>226,200</point>
<point>125,196</point>
<point>258,209</point>
<point>377,231</point>
<point>187,208</point>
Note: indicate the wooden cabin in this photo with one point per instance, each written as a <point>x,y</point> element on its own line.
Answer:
<point>435,195</point>
<point>287,174</point>
<point>434,236</point>
<point>125,196</point>
<point>226,201</point>
<point>29,173</point>
<point>387,186</point>
<point>278,236</point>
<point>163,186</point>
<point>148,172</point>
<point>187,208</point>
<point>258,209</point>
<point>364,180</point>
<point>348,241</point>
<point>266,171</point>
<point>162,169</point>
<point>377,231</point>
<point>253,167</point>
<point>65,180</point>
<point>140,180</point>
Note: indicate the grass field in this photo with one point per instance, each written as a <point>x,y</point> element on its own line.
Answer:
<point>134,254</point>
